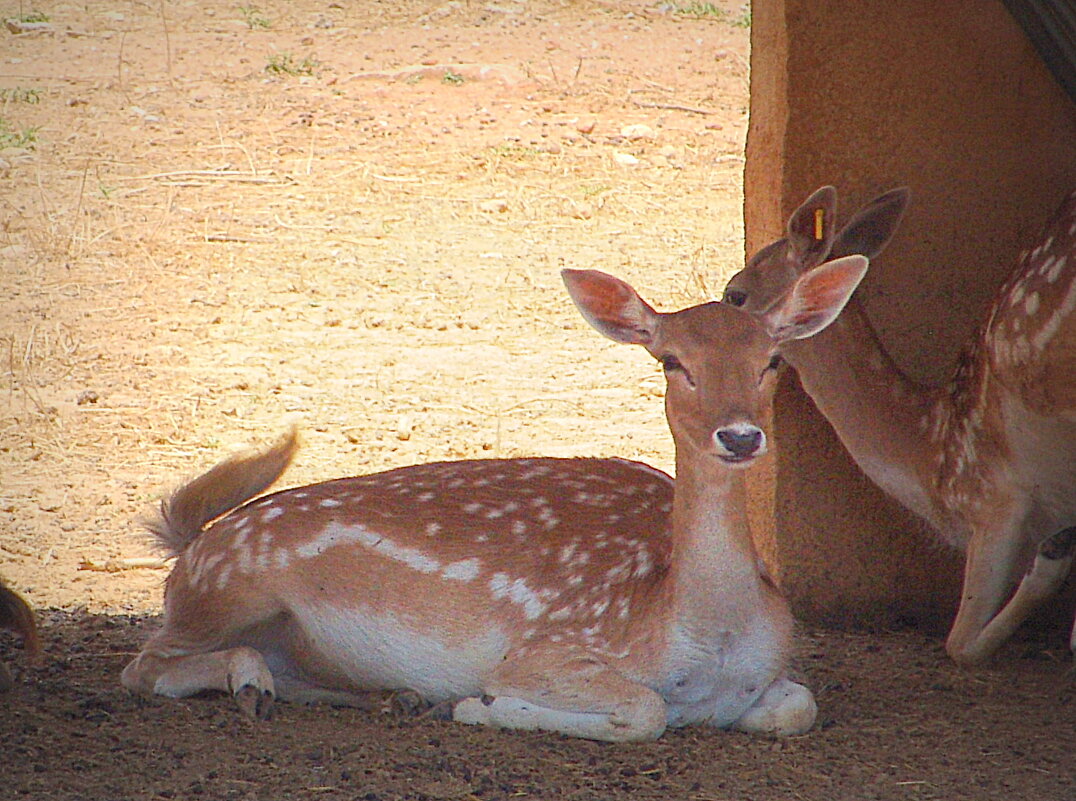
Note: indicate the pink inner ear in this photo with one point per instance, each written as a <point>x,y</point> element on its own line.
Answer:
<point>823,290</point>
<point>608,300</point>
<point>605,297</point>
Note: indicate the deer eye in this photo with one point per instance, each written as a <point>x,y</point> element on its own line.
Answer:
<point>735,297</point>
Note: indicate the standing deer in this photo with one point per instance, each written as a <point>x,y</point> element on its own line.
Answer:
<point>584,596</point>
<point>989,458</point>
<point>16,616</point>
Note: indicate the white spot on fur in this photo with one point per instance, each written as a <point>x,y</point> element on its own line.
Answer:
<point>1053,323</point>
<point>517,591</point>
<point>642,564</point>
<point>1031,304</point>
<point>335,534</point>
<point>1055,270</point>
<point>464,570</point>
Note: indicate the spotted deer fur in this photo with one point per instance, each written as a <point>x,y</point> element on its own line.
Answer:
<point>987,458</point>
<point>587,596</point>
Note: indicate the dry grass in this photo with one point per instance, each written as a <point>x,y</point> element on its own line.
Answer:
<point>196,252</point>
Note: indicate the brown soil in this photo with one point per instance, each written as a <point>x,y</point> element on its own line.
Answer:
<point>197,251</point>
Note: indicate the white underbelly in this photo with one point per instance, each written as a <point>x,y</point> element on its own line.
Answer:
<point>379,651</point>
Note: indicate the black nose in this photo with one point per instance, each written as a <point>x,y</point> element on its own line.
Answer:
<point>735,297</point>
<point>740,443</point>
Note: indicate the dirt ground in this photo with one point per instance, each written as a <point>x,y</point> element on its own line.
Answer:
<point>218,219</point>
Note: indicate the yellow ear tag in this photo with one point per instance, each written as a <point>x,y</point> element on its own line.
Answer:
<point>819,215</point>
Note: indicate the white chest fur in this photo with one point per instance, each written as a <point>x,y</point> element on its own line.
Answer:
<point>717,680</point>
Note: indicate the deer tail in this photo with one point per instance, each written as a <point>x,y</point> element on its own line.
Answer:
<point>185,513</point>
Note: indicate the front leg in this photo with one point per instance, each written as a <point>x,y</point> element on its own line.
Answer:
<point>567,690</point>
<point>783,710</point>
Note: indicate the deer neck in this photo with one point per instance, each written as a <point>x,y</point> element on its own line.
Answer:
<point>878,412</point>
<point>715,573</point>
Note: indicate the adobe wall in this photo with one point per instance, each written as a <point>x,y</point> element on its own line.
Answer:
<point>952,100</point>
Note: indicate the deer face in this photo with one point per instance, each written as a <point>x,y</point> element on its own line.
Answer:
<point>765,279</point>
<point>811,237</point>
<point>719,365</point>
<point>719,361</point>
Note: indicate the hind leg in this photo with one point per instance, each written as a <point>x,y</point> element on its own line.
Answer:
<point>239,671</point>
<point>1052,564</point>
<point>299,691</point>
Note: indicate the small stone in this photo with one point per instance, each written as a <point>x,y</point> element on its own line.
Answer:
<point>637,131</point>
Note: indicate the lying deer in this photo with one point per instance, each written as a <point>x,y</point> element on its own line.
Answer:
<point>16,616</point>
<point>989,458</point>
<point>584,596</point>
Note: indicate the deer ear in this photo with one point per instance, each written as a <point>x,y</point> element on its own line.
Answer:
<point>815,299</point>
<point>611,306</point>
<point>873,226</point>
<point>811,228</point>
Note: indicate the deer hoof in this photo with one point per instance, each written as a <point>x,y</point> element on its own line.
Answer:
<point>255,703</point>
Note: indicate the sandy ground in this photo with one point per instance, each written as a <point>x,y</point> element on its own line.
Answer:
<point>218,220</point>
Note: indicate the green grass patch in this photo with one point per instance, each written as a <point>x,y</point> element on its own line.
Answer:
<point>594,189</point>
<point>20,95</point>
<point>700,10</point>
<point>515,152</point>
<point>33,16</point>
<point>285,64</point>
<point>254,18</point>
<point>451,77</point>
<point>11,137</point>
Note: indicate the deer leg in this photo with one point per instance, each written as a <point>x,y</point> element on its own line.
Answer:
<point>240,671</point>
<point>568,691</point>
<point>784,709</point>
<point>980,628</point>
<point>1052,564</point>
<point>293,690</point>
